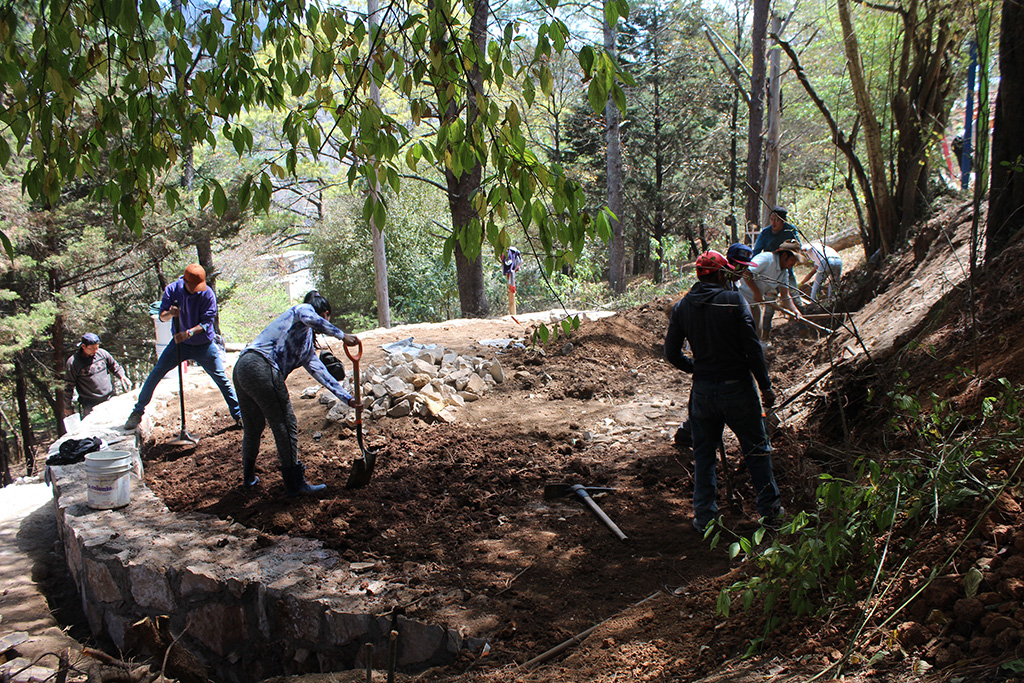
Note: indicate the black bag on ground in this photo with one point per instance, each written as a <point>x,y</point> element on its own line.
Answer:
<point>333,365</point>
<point>74,450</point>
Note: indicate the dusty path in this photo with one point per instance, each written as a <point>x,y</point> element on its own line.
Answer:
<point>31,564</point>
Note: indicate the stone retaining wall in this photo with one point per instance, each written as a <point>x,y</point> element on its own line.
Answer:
<point>247,605</point>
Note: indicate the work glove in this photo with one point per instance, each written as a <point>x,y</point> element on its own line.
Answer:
<point>333,365</point>
<point>768,399</point>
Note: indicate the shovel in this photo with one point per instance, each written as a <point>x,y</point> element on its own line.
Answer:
<point>362,468</point>
<point>184,438</point>
<point>552,491</point>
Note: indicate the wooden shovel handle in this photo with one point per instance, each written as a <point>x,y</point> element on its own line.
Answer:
<point>359,353</point>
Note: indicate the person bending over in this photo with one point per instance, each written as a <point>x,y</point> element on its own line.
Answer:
<point>260,374</point>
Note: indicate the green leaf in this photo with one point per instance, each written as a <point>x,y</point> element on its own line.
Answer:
<point>611,13</point>
<point>8,247</point>
<point>597,95</point>
<point>586,59</point>
<point>547,81</point>
<point>724,603</point>
<point>220,200</point>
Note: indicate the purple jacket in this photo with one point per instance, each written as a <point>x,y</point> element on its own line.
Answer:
<point>198,308</point>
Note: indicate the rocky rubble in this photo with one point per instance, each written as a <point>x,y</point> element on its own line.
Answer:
<point>427,381</point>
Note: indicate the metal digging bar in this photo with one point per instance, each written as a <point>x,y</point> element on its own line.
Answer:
<point>552,491</point>
<point>362,468</point>
<point>184,438</point>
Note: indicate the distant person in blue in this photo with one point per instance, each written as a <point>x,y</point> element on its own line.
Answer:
<point>260,375</point>
<point>192,306</point>
<point>776,232</point>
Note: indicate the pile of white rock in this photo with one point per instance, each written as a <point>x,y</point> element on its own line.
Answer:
<point>418,380</point>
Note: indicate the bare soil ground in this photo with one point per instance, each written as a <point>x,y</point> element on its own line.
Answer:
<point>459,506</point>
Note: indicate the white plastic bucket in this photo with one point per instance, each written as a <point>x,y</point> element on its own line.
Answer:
<point>109,479</point>
<point>163,334</point>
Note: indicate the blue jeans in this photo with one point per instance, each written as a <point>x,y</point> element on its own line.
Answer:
<point>714,404</point>
<point>208,358</point>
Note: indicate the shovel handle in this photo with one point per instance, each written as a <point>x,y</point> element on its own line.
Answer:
<point>581,491</point>
<point>359,354</point>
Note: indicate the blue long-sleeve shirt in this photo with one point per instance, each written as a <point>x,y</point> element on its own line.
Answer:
<point>288,343</point>
<point>196,308</point>
<point>770,241</point>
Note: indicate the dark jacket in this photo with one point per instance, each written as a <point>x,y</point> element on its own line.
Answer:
<point>720,329</point>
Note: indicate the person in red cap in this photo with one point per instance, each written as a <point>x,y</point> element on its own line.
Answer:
<point>727,361</point>
<point>739,256</point>
<point>192,305</point>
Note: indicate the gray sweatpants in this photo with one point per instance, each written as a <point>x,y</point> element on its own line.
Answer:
<point>263,398</point>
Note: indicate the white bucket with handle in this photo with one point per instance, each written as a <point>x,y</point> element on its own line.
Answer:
<point>108,474</point>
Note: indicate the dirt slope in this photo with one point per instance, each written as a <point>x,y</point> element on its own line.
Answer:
<point>455,511</point>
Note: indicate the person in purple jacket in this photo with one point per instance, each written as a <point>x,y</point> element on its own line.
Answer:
<point>260,374</point>
<point>192,306</point>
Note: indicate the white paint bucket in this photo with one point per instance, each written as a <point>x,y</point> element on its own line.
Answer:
<point>109,478</point>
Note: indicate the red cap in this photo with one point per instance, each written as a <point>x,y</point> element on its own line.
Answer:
<point>711,262</point>
<point>195,277</point>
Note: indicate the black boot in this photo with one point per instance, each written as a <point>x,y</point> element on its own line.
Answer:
<point>249,478</point>
<point>295,481</point>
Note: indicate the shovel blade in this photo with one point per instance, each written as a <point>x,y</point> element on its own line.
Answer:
<point>184,439</point>
<point>362,471</point>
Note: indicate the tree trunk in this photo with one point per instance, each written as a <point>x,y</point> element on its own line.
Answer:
<point>56,334</point>
<point>204,252</point>
<point>882,233</point>
<point>469,271</point>
<point>613,160</point>
<point>14,437</point>
<point>380,258</point>
<point>755,125</point>
<point>28,439</point>
<point>59,400</point>
<point>733,162</point>
<point>771,174</point>
<point>659,164</point>
<point>5,460</point>
<point>1005,216</point>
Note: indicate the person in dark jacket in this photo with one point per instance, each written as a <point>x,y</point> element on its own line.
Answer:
<point>727,361</point>
<point>90,370</point>
<point>739,256</point>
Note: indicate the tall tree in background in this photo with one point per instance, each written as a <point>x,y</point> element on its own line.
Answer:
<point>677,140</point>
<point>755,107</point>
<point>1006,200</point>
<point>613,153</point>
<point>248,56</point>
